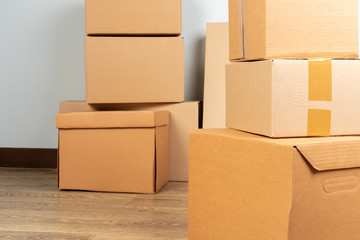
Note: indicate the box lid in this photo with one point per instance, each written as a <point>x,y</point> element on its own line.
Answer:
<point>112,119</point>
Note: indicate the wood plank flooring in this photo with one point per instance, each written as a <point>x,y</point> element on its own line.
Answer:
<point>31,207</point>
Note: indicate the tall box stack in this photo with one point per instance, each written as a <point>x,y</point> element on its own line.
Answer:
<point>133,55</point>
<point>132,52</point>
<point>285,168</point>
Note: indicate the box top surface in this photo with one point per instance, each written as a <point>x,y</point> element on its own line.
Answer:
<point>111,119</point>
<point>323,153</point>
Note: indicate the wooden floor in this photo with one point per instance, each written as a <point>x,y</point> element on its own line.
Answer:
<point>31,207</point>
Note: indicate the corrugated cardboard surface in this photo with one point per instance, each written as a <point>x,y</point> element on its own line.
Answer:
<point>245,186</point>
<point>183,118</point>
<point>112,158</point>
<point>272,98</point>
<point>133,17</point>
<point>236,39</point>
<point>278,29</point>
<point>249,97</point>
<point>134,69</point>
<point>217,55</point>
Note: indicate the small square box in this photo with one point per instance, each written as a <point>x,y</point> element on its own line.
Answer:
<point>113,151</point>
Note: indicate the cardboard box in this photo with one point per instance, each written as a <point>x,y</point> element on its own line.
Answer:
<point>294,98</point>
<point>270,29</point>
<point>244,186</point>
<point>133,17</point>
<point>118,151</point>
<point>134,69</point>
<point>217,55</point>
<point>183,118</point>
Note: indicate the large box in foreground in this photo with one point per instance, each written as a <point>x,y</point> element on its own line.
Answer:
<point>294,98</point>
<point>183,118</point>
<point>118,151</point>
<point>133,17</point>
<point>134,69</point>
<point>244,186</point>
<point>217,55</point>
<point>270,29</point>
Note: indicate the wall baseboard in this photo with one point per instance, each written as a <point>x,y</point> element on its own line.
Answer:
<point>28,157</point>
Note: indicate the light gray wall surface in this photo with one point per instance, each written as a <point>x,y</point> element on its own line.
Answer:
<point>42,62</point>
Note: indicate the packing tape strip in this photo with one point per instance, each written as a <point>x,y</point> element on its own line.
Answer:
<point>319,122</point>
<point>320,89</point>
<point>320,80</point>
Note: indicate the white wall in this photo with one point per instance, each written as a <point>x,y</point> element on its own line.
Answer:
<point>42,62</point>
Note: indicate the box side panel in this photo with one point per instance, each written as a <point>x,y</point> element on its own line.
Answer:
<point>217,55</point>
<point>255,29</point>
<point>290,98</point>
<point>325,204</point>
<point>128,17</point>
<point>235,35</point>
<point>162,156</point>
<point>293,106</point>
<point>326,29</point>
<point>112,160</point>
<point>183,118</point>
<point>346,98</point>
<point>134,69</point>
<point>238,189</point>
<point>248,96</point>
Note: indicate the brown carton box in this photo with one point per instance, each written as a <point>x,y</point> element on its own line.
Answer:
<point>294,98</point>
<point>134,69</point>
<point>183,118</point>
<point>217,55</point>
<point>133,17</point>
<point>245,186</point>
<point>117,151</point>
<point>270,29</point>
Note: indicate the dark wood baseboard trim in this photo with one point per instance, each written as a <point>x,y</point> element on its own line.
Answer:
<point>28,157</point>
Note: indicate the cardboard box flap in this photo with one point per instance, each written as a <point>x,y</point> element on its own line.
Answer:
<point>112,119</point>
<point>331,155</point>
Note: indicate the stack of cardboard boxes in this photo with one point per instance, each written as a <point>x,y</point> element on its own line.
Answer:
<point>118,140</point>
<point>276,173</point>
